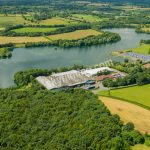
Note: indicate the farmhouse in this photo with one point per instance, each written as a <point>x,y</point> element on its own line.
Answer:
<point>71,79</point>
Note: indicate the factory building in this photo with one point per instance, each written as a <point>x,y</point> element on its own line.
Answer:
<point>71,79</point>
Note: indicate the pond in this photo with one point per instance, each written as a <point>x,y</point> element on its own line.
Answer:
<point>50,57</point>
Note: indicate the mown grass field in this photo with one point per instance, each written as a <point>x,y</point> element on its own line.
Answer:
<point>2,28</point>
<point>78,34</point>
<point>129,113</point>
<point>146,29</point>
<point>142,49</point>
<point>56,21</point>
<point>34,30</point>
<point>19,40</point>
<point>135,94</point>
<point>140,147</point>
<point>11,20</point>
<point>88,18</point>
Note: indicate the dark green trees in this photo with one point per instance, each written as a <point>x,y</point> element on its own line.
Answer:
<point>74,119</point>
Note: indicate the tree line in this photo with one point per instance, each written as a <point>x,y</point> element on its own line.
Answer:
<point>106,37</point>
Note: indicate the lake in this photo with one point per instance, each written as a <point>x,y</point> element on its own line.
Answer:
<point>49,57</point>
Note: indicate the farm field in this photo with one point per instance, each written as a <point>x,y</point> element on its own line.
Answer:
<point>18,40</point>
<point>89,18</point>
<point>146,29</point>
<point>34,30</point>
<point>1,29</point>
<point>140,147</point>
<point>78,34</point>
<point>56,21</point>
<point>142,49</point>
<point>11,20</point>
<point>129,113</point>
<point>137,94</point>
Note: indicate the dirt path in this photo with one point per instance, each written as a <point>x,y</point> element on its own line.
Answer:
<point>129,113</point>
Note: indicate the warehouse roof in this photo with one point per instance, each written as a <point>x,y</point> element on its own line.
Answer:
<point>69,78</point>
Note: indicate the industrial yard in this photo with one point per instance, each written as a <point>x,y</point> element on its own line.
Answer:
<point>85,78</point>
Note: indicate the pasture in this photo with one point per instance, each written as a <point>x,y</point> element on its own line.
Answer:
<point>34,30</point>
<point>142,49</point>
<point>19,40</point>
<point>88,18</point>
<point>139,95</point>
<point>129,113</point>
<point>56,21</point>
<point>140,147</point>
<point>78,34</point>
<point>6,21</point>
<point>145,29</point>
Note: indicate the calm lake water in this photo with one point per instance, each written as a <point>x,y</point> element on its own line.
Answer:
<point>48,57</point>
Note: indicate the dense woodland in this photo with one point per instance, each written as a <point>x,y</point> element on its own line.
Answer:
<point>75,119</point>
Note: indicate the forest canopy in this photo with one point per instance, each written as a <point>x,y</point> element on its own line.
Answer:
<point>74,119</point>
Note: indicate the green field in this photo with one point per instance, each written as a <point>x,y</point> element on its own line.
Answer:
<point>145,29</point>
<point>88,18</point>
<point>11,20</point>
<point>34,30</point>
<point>142,49</point>
<point>137,94</point>
<point>21,40</point>
<point>78,34</point>
<point>56,21</point>
<point>140,147</point>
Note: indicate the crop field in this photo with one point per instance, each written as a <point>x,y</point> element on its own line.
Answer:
<point>146,29</point>
<point>11,20</point>
<point>19,40</point>
<point>129,113</point>
<point>140,147</point>
<point>78,34</point>
<point>1,29</point>
<point>56,21</point>
<point>88,18</point>
<point>142,49</point>
<point>34,30</point>
<point>136,94</point>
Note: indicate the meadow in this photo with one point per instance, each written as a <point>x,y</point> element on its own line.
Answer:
<point>145,29</point>
<point>140,147</point>
<point>88,18</point>
<point>6,21</point>
<point>129,113</point>
<point>34,30</point>
<point>19,40</point>
<point>55,21</point>
<point>137,94</point>
<point>142,49</point>
<point>78,34</point>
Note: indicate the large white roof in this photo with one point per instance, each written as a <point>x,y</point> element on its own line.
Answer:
<point>91,72</point>
<point>68,78</point>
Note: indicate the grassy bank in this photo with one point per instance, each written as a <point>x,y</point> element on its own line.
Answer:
<point>137,94</point>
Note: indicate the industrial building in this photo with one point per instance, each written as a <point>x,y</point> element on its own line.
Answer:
<point>71,79</point>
